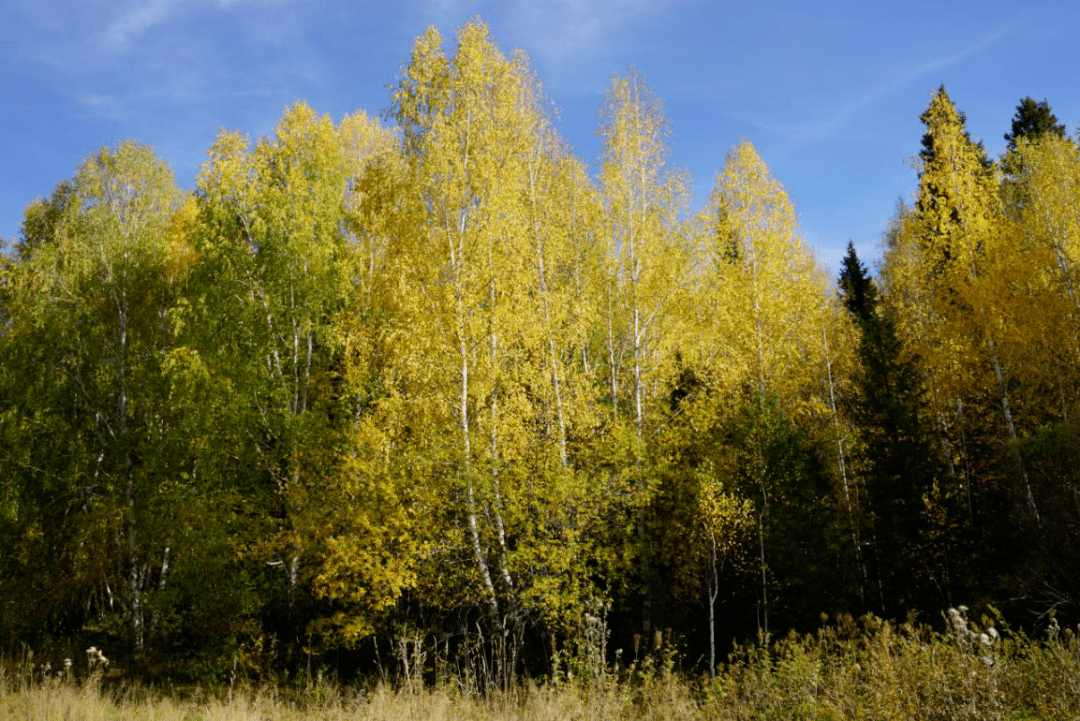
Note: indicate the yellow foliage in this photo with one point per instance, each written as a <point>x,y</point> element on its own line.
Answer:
<point>766,302</point>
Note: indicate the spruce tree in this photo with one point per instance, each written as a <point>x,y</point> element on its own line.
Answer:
<point>1031,121</point>
<point>899,459</point>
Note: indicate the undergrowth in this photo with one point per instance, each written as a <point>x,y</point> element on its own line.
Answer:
<point>849,669</point>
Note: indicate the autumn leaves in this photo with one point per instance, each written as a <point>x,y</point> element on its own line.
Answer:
<point>364,370</point>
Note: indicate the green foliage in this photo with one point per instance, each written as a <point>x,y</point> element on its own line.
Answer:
<point>92,449</point>
<point>902,469</point>
<point>1032,121</point>
<point>1032,124</point>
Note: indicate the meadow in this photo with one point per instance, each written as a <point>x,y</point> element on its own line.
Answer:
<point>848,669</point>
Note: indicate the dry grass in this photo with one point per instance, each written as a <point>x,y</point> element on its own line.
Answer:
<point>89,703</point>
<point>867,670</point>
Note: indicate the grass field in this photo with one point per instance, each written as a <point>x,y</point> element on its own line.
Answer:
<point>848,670</point>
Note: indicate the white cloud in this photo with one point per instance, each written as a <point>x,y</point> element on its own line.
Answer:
<point>130,25</point>
<point>556,33</point>
<point>563,30</point>
<point>183,61</point>
<point>136,21</point>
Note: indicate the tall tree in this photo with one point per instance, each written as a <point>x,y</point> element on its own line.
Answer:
<point>1045,329</point>
<point>766,306</point>
<point>456,115</point>
<point>646,278</point>
<point>360,523</point>
<point>644,203</point>
<point>767,295</point>
<point>959,214</point>
<point>492,350</point>
<point>88,311</point>
<point>274,271</point>
<point>902,468</point>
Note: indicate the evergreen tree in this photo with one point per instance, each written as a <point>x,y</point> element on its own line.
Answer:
<point>1031,121</point>
<point>957,188</point>
<point>901,468</point>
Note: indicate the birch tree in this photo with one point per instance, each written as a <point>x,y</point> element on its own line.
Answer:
<point>647,245</point>
<point>769,296</point>
<point>767,302</point>
<point>273,272</point>
<point>958,223</point>
<point>88,311</point>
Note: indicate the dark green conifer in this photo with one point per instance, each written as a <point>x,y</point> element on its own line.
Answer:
<point>899,457</point>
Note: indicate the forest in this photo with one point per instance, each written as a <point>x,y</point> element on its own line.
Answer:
<point>425,394</point>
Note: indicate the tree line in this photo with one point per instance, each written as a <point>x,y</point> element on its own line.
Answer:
<point>432,384</point>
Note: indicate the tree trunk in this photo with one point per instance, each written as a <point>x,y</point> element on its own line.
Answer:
<point>713,590</point>
<point>1010,425</point>
<point>849,504</point>
<point>466,443</point>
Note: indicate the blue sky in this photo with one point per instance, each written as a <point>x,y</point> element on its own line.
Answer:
<point>829,92</point>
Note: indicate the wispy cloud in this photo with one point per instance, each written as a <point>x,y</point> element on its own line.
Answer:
<point>839,116</point>
<point>563,29</point>
<point>935,65</point>
<point>135,20</point>
<point>557,33</point>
